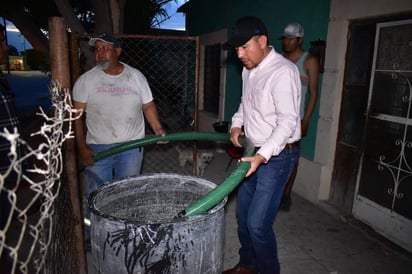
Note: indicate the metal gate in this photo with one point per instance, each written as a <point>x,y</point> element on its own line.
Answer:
<point>384,185</point>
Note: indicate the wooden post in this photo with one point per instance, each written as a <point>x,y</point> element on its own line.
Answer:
<point>60,71</point>
<point>115,12</point>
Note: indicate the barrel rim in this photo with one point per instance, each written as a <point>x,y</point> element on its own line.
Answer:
<point>113,183</point>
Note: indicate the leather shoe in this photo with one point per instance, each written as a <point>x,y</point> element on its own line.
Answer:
<point>241,270</point>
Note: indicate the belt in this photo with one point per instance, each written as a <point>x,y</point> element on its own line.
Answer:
<point>288,147</point>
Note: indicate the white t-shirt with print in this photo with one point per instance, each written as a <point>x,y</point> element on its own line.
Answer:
<point>114,104</point>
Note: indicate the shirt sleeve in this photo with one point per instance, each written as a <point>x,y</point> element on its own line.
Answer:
<point>237,118</point>
<point>142,82</point>
<point>286,94</point>
<point>80,92</point>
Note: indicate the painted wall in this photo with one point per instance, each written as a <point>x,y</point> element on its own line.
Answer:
<point>322,19</point>
<point>208,16</point>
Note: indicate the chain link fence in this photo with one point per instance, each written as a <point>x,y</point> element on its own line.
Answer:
<point>170,64</point>
<point>29,233</point>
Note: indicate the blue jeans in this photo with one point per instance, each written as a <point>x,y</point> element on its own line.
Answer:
<point>124,164</point>
<point>258,200</point>
<point>120,165</point>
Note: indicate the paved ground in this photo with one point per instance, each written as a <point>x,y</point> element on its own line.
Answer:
<point>31,90</point>
<point>316,239</point>
<point>312,239</point>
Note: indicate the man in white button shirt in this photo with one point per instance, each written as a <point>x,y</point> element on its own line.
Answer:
<point>269,116</point>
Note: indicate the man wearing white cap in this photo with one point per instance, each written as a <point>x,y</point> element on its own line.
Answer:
<point>308,65</point>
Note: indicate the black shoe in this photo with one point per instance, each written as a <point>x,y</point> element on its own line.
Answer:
<point>285,203</point>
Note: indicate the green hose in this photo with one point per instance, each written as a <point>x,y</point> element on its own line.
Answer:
<point>228,185</point>
<point>217,194</point>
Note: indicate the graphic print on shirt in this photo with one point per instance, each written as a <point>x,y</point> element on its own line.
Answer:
<point>114,90</point>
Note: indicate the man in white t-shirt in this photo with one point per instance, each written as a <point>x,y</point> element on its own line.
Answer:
<point>115,99</point>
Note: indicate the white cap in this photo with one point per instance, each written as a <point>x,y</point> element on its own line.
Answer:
<point>293,30</point>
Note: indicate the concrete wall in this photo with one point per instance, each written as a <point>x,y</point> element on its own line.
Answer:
<point>206,17</point>
<point>314,177</point>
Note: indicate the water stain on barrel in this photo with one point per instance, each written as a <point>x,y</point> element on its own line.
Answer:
<point>133,229</point>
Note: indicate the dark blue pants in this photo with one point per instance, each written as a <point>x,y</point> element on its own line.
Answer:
<point>258,201</point>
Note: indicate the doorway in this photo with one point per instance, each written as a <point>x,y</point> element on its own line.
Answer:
<point>383,197</point>
<point>374,128</point>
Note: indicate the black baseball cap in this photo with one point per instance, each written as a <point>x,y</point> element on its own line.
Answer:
<point>244,29</point>
<point>105,37</point>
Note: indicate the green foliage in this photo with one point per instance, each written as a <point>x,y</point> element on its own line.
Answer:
<point>13,51</point>
<point>140,16</point>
